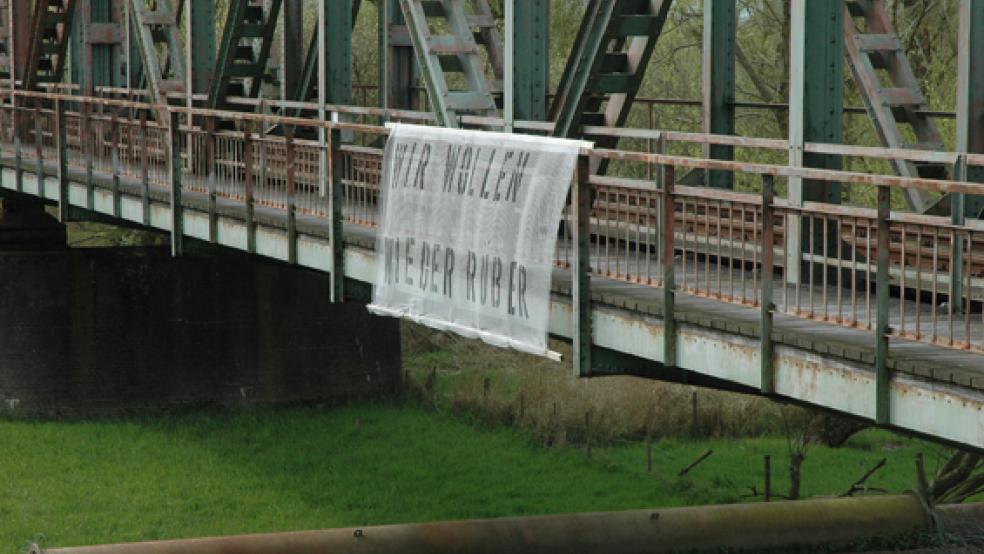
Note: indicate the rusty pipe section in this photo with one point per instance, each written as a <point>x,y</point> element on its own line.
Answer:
<point>831,521</point>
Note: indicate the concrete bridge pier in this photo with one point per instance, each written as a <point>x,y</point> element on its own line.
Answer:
<point>101,331</point>
<point>26,226</point>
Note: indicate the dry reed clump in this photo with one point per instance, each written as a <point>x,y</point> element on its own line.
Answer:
<point>508,387</point>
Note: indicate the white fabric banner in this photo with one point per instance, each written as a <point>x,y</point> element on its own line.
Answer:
<point>468,230</point>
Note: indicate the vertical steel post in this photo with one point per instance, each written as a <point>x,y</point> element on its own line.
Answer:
<point>291,201</point>
<point>201,36</point>
<point>667,175</point>
<point>336,49</point>
<point>114,134</point>
<point>882,378</point>
<point>797,86</point>
<point>815,114</point>
<point>531,69</point>
<point>335,211</point>
<point>396,58</point>
<point>61,146</point>
<point>18,142</point>
<point>87,143</point>
<point>96,44</point>
<point>768,269</point>
<point>718,82</point>
<point>249,199</point>
<point>581,270</point>
<point>970,95</point>
<point>509,69</point>
<point>213,219</point>
<point>144,167</point>
<point>957,217</point>
<point>175,163</point>
<point>291,47</point>
<point>970,132</point>
<point>134,63</point>
<point>39,144</point>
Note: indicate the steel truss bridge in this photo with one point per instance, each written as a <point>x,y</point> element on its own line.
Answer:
<point>663,268</point>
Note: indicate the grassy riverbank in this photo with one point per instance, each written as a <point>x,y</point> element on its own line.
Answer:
<point>300,468</point>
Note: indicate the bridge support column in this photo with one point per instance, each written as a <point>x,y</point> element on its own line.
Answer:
<point>26,226</point>
<point>102,331</point>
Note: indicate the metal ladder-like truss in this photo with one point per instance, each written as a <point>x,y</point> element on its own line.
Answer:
<point>891,93</point>
<point>158,37</point>
<point>241,66</point>
<point>307,87</point>
<point>456,59</point>
<point>51,27</point>
<point>606,66</point>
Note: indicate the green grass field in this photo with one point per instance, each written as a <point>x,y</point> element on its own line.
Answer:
<point>385,462</point>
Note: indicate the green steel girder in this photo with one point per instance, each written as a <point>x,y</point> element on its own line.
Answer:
<point>96,45</point>
<point>247,38</point>
<point>823,102</point>
<point>457,52</point>
<point>338,61</point>
<point>970,96</point>
<point>718,83</point>
<point>51,25</point>
<point>820,117</point>
<point>156,25</point>
<point>531,68</point>
<point>607,64</point>
<point>397,68</point>
<point>203,45</point>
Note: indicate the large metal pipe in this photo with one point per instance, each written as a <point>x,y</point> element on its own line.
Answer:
<point>747,526</point>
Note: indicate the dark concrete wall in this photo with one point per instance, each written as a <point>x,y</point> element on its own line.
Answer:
<point>86,332</point>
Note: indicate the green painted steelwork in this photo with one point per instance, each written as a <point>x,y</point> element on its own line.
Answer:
<point>202,45</point>
<point>882,376</point>
<point>892,94</point>
<point>531,68</point>
<point>61,147</point>
<point>337,238</point>
<point>605,69</point>
<point>154,29</point>
<point>241,64</point>
<point>51,25</point>
<point>581,289</point>
<point>821,119</point>
<point>667,178</point>
<point>95,45</point>
<point>970,95</point>
<point>175,168</point>
<point>823,105</point>
<point>456,52</point>
<point>291,48</point>
<point>718,82</point>
<point>397,68</point>
<point>338,51</point>
<point>768,271</point>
